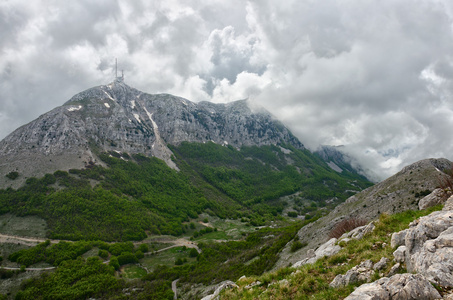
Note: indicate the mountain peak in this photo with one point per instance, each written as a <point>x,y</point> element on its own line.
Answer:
<point>117,117</point>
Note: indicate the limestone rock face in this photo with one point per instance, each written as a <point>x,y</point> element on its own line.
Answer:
<point>220,287</point>
<point>329,248</point>
<point>399,286</point>
<point>381,264</point>
<point>428,247</point>
<point>398,238</point>
<point>400,254</point>
<point>361,272</point>
<point>437,196</point>
<point>448,204</point>
<point>117,117</point>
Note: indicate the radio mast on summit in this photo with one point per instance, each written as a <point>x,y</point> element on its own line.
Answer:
<point>116,72</point>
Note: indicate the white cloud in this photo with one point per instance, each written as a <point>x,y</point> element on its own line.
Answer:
<point>376,76</point>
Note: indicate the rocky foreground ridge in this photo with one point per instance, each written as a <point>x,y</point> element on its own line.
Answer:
<point>426,250</point>
<point>400,192</point>
<point>421,268</point>
<point>117,117</point>
<point>416,263</point>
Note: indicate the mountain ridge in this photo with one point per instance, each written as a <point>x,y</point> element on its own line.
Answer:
<point>117,117</point>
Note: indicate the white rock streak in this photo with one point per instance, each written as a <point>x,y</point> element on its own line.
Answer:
<point>137,117</point>
<point>160,143</point>
<point>108,95</point>
<point>107,105</point>
<point>73,108</point>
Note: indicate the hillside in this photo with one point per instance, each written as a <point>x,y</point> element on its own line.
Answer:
<point>219,180</point>
<point>252,261</point>
<point>397,193</point>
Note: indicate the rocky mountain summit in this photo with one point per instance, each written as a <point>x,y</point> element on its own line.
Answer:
<point>117,117</point>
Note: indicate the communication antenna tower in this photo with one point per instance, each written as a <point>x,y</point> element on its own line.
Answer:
<point>116,72</point>
<point>116,67</point>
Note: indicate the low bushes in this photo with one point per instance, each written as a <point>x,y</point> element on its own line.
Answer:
<point>346,226</point>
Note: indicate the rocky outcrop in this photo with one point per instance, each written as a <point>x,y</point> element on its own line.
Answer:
<point>219,288</point>
<point>327,249</point>
<point>399,286</point>
<point>361,272</point>
<point>428,248</point>
<point>358,233</point>
<point>438,196</point>
<point>332,246</point>
<point>398,238</point>
<point>448,204</point>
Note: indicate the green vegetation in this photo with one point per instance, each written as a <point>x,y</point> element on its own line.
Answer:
<point>133,272</point>
<point>255,175</point>
<point>12,175</point>
<point>80,279</point>
<point>296,245</point>
<point>84,278</point>
<point>312,281</point>
<point>156,198</point>
<point>55,254</point>
<point>137,195</point>
<point>221,261</point>
<point>74,279</point>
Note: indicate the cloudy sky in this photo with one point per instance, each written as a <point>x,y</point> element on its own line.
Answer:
<point>373,75</point>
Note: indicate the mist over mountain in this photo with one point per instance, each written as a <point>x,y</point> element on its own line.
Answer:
<point>117,117</point>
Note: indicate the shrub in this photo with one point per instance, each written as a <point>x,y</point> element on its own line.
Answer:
<point>143,248</point>
<point>346,226</point>
<point>297,245</point>
<point>292,214</point>
<point>12,175</point>
<point>127,258</point>
<point>114,262</point>
<point>103,253</point>
<point>193,252</point>
<point>446,182</point>
<point>139,254</point>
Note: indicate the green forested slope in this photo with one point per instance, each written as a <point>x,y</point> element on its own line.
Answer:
<point>137,194</point>
<point>255,176</point>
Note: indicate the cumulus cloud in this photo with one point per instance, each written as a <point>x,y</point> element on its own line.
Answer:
<point>375,76</point>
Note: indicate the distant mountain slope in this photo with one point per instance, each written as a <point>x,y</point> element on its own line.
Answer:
<point>117,117</point>
<point>338,160</point>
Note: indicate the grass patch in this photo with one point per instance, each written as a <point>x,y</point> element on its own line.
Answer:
<point>167,258</point>
<point>29,226</point>
<point>133,272</point>
<point>212,236</point>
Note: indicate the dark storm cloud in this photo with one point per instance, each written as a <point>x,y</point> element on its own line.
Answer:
<point>375,76</point>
